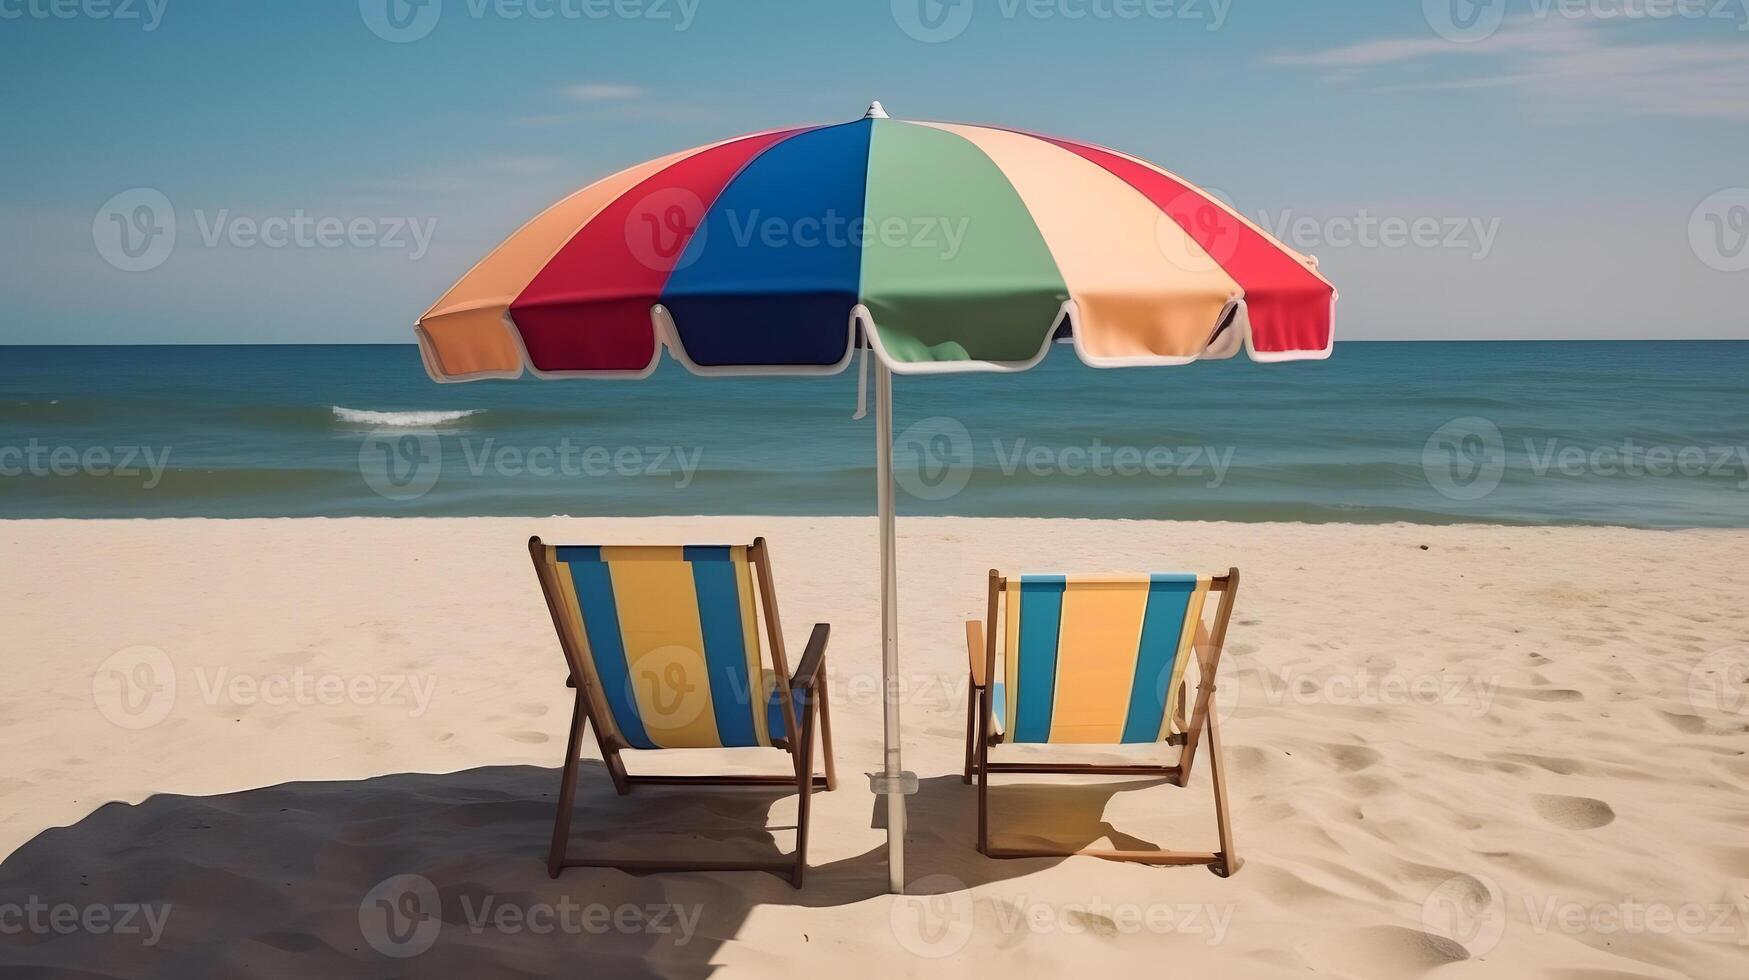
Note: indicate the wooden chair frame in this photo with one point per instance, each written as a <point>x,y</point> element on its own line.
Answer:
<point>809,679</point>
<point>980,735</point>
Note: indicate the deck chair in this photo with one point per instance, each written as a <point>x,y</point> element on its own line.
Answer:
<point>1098,660</point>
<point>664,651</point>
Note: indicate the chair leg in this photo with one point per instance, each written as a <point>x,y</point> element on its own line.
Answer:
<point>804,803</point>
<point>1230,861</point>
<point>971,732</point>
<point>616,768</point>
<point>826,730</point>
<point>984,772</point>
<point>567,792</point>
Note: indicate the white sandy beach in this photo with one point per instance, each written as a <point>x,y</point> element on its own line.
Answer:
<point>1455,751</point>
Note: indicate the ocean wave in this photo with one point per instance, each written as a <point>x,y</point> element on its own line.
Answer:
<point>360,416</point>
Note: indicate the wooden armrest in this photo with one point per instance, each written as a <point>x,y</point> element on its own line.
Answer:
<point>812,658</point>
<point>975,651</point>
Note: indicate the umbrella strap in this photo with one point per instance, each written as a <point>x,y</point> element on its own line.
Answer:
<point>862,388</point>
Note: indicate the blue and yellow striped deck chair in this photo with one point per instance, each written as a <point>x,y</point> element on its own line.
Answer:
<point>663,645</point>
<point>1099,660</point>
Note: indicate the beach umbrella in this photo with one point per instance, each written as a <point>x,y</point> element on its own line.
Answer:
<point>940,248</point>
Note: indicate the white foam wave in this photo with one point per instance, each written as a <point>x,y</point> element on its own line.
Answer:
<point>359,416</point>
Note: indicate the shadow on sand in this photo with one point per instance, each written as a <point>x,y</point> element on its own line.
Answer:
<point>444,875</point>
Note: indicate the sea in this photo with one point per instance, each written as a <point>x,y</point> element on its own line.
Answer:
<point>1639,434</point>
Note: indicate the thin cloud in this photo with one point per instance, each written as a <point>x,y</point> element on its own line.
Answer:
<point>603,92</point>
<point>1573,67</point>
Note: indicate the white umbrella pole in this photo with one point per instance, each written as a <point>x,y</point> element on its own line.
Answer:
<point>892,783</point>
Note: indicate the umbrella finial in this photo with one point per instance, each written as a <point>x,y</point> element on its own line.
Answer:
<point>876,111</point>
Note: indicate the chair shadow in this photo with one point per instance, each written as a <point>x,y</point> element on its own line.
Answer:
<point>439,875</point>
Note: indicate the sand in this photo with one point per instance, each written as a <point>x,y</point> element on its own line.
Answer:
<point>1454,752</point>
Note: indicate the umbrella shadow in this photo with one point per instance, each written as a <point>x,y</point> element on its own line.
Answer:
<point>415,874</point>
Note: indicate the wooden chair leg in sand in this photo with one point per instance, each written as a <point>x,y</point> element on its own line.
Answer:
<point>1207,645</point>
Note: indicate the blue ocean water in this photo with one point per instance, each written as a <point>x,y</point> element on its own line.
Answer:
<point>1638,434</point>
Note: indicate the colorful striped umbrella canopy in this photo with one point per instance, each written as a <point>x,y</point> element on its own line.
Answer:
<point>940,247</point>
<point>956,248</point>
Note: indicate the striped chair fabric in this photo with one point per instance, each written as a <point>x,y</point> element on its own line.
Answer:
<point>673,646</point>
<point>1096,659</point>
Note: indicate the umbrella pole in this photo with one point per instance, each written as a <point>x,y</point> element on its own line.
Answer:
<point>893,773</point>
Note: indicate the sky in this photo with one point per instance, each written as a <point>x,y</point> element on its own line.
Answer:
<point>319,171</point>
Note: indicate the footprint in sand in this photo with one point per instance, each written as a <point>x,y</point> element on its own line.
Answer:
<point>1352,758</point>
<point>1573,812</point>
<point>1686,724</point>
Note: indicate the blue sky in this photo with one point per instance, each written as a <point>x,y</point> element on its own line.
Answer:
<point>1568,168</point>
